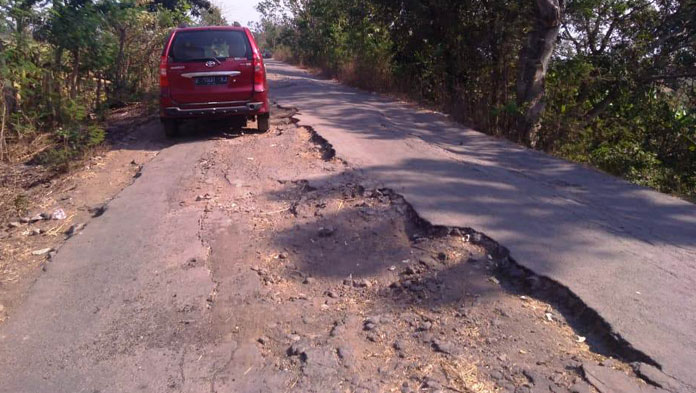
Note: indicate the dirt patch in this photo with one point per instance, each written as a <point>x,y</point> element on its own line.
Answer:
<point>336,285</point>
<point>32,198</point>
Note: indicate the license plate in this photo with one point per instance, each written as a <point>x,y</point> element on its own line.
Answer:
<point>211,80</point>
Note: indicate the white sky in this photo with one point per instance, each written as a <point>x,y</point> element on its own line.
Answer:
<point>241,11</point>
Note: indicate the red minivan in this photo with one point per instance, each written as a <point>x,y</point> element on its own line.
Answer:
<point>212,72</point>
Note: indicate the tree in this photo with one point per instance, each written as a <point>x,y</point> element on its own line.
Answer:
<point>59,58</point>
<point>212,17</point>
<point>74,26</point>
<point>533,66</point>
<point>194,6</point>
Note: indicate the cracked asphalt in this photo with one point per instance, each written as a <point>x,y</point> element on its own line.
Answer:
<point>335,254</point>
<point>627,252</point>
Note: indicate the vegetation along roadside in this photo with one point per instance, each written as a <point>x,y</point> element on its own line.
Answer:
<point>609,83</point>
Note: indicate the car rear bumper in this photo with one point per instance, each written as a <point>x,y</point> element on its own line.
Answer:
<point>250,108</point>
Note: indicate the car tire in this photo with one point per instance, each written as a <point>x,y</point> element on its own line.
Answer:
<point>263,122</point>
<point>171,128</point>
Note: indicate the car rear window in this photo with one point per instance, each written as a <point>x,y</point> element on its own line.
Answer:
<point>203,45</point>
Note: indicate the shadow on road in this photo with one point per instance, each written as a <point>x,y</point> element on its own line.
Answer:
<point>497,172</point>
<point>376,237</point>
<point>149,135</point>
<point>626,251</point>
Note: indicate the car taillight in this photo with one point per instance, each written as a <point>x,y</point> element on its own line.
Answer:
<point>259,73</point>
<point>164,82</point>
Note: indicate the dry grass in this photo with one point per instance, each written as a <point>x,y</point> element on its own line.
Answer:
<point>367,77</point>
<point>283,53</point>
<point>464,377</point>
<point>26,148</point>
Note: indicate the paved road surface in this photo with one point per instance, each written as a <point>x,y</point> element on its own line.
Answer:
<point>124,269</point>
<point>626,251</point>
<point>121,308</point>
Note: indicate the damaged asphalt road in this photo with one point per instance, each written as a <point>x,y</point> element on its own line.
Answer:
<point>105,311</point>
<point>261,263</point>
<point>626,252</point>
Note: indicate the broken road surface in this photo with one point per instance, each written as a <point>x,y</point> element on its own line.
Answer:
<point>629,253</point>
<point>256,263</point>
<point>244,262</point>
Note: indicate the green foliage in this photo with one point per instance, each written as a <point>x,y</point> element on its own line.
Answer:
<point>21,204</point>
<point>58,158</point>
<point>212,17</point>
<point>76,136</point>
<point>62,64</point>
<point>618,103</point>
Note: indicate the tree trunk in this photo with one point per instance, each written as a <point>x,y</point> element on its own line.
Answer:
<point>75,74</point>
<point>2,101</point>
<point>3,113</point>
<point>56,76</point>
<point>97,101</point>
<point>532,66</point>
<point>119,62</point>
<point>9,98</point>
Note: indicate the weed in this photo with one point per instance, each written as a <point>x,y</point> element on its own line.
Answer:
<point>21,204</point>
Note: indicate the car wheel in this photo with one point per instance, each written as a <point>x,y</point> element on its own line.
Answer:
<point>171,128</point>
<point>263,122</point>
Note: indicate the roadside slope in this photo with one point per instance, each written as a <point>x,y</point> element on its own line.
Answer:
<point>628,252</point>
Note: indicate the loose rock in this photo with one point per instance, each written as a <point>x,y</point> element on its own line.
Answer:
<point>58,214</point>
<point>41,251</point>
<point>299,348</point>
<point>294,337</point>
<point>74,229</point>
<point>431,384</point>
<point>496,375</point>
<point>338,330</point>
<point>364,283</point>
<point>580,387</point>
<point>333,295</point>
<point>326,232</point>
<point>608,380</point>
<point>443,346</point>
<point>653,375</point>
